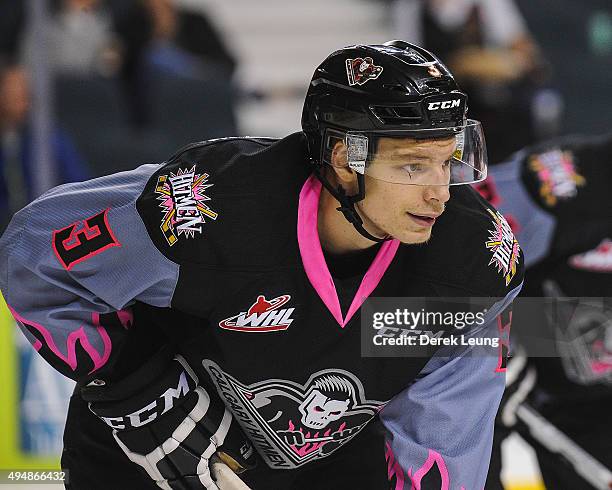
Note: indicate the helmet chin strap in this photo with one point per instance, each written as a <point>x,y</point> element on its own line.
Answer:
<point>347,204</point>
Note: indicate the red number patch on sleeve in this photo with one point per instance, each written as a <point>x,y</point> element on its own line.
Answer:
<point>488,190</point>
<point>504,322</point>
<point>83,239</point>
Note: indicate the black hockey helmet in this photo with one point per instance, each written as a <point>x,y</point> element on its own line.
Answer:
<point>364,92</point>
<point>380,87</point>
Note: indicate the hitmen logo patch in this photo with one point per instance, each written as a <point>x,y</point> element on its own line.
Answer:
<point>183,201</point>
<point>262,316</point>
<point>292,424</point>
<point>362,70</point>
<point>556,171</point>
<point>504,246</point>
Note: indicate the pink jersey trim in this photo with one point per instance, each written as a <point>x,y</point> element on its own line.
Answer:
<point>394,469</point>
<point>373,276</point>
<point>314,260</point>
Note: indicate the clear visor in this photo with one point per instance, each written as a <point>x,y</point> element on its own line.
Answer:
<point>449,156</point>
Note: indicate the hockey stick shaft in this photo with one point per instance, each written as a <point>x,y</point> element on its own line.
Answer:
<point>556,441</point>
<point>224,477</point>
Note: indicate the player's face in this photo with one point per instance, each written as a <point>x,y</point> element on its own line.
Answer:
<point>407,212</point>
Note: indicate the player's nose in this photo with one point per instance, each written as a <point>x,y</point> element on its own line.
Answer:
<point>440,193</point>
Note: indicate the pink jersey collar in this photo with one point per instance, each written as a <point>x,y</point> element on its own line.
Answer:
<point>314,261</point>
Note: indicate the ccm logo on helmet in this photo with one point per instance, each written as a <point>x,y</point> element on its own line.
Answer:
<point>447,104</point>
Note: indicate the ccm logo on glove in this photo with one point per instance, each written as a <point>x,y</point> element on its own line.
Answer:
<point>149,412</point>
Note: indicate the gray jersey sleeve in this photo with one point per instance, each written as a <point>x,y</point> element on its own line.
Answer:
<point>533,226</point>
<point>74,261</point>
<point>440,430</point>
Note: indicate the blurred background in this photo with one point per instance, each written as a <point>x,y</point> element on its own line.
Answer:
<point>90,87</point>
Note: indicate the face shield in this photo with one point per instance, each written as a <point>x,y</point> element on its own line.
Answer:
<point>432,156</point>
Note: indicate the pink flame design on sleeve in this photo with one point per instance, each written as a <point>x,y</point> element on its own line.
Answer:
<point>434,462</point>
<point>394,469</point>
<point>80,335</point>
<point>433,458</point>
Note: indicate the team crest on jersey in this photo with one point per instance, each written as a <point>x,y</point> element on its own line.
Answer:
<point>362,70</point>
<point>504,246</point>
<point>184,203</point>
<point>262,316</point>
<point>292,424</point>
<point>556,171</point>
<point>597,260</point>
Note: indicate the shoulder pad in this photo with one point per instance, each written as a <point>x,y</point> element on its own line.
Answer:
<point>211,199</point>
<point>568,179</point>
<point>568,175</point>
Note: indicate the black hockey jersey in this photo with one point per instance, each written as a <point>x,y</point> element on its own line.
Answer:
<point>216,251</point>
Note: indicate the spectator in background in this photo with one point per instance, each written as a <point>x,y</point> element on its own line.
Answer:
<point>160,35</point>
<point>84,38</point>
<point>16,155</point>
<point>129,38</point>
<point>487,44</point>
<point>185,42</point>
<point>12,20</point>
<point>122,38</point>
<point>91,38</point>
<point>576,37</point>
<point>81,38</point>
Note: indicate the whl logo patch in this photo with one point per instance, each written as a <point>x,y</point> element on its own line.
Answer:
<point>263,316</point>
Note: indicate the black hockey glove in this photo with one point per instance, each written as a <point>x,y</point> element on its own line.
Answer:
<point>169,425</point>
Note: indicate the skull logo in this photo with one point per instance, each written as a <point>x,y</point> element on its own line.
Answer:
<point>327,400</point>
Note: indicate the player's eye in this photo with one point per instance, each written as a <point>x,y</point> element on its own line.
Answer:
<point>414,167</point>
<point>334,413</point>
<point>318,409</point>
<point>447,163</point>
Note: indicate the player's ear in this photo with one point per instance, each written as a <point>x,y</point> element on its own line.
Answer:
<point>339,164</point>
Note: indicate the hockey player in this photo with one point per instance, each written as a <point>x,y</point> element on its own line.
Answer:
<point>210,306</point>
<point>555,197</point>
